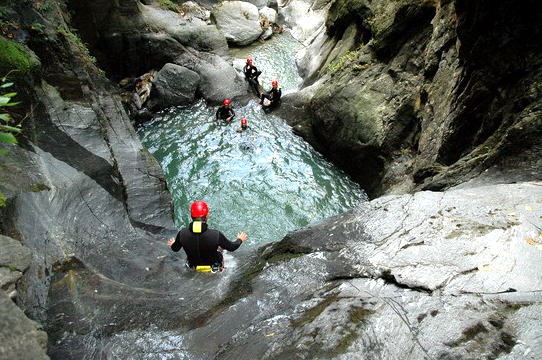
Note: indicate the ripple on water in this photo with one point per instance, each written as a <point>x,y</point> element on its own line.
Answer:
<point>266,183</point>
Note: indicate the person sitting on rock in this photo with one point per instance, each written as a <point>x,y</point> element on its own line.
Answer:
<point>272,97</point>
<point>225,112</point>
<point>203,246</point>
<point>252,74</point>
<point>244,126</point>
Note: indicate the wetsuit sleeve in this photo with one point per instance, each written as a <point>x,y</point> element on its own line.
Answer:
<point>224,243</point>
<point>217,113</point>
<point>245,70</point>
<point>232,113</point>
<point>280,93</point>
<point>176,246</point>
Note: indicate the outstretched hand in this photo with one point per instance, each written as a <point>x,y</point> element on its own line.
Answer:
<point>171,241</point>
<point>242,236</point>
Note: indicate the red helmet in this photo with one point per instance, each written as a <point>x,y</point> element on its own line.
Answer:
<point>243,121</point>
<point>249,60</point>
<point>199,209</point>
<point>227,102</point>
<point>275,83</point>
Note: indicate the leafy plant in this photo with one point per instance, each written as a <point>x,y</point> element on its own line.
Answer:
<point>7,130</point>
<point>338,64</point>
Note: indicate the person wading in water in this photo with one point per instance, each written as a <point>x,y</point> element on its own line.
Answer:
<point>203,246</point>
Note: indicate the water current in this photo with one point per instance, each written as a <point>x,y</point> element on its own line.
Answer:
<point>266,181</point>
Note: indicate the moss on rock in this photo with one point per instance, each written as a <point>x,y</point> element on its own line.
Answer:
<point>15,57</point>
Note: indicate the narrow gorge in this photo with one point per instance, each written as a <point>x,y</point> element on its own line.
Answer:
<point>393,201</point>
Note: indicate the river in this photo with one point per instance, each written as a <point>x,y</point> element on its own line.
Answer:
<point>267,182</point>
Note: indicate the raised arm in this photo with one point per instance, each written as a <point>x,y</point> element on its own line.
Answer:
<point>224,243</point>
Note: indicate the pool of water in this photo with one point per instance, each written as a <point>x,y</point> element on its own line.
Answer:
<point>266,181</point>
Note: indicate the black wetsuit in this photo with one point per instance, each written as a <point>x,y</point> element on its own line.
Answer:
<point>251,74</point>
<point>272,95</point>
<point>224,112</point>
<point>202,248</point>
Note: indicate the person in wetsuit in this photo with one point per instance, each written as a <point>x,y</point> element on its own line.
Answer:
<point>202,245</point>
<point>244,126</point>
<point>225,112</point>
<point>252,74</point>
<point>272,95</point>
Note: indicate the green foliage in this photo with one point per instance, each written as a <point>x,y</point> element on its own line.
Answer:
<point>14,56</point>
<point>338,64</point>
<point>7,130</point>
<point>76,40</point>
<point>168,5</point>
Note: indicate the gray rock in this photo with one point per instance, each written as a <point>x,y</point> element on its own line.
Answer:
<point>301,18</point>
<point>194,10</point>
<point>258,3</point>
<point>269,14</point>
<point>194,32</point>
<point>20,338</point>
<point>238,21</point>
<point>13,254</point>
<point>173,85</point>
<point>218,79</point>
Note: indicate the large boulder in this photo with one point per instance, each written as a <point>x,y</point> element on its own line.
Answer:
<point>269,14</point>
<point>218,79</point>
<point>173,85</point>
<point>239,21</point>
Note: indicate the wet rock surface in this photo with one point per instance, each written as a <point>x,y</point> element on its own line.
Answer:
<point>430,275</point>
<point>382,280</point>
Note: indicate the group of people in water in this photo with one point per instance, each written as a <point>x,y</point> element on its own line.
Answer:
<point>203,246</point>
<point>268,100</point>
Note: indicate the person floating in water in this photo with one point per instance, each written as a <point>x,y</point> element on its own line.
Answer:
<point>252,74</point>
<point>272,97</point>
<point>203,246</point>
<point>225,112</point>
<point>244,126</point>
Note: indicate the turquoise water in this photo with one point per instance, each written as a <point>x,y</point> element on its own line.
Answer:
<point>265,182</point>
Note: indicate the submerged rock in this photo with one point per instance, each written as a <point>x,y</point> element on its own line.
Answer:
<point>238,21</point>
<point>173,85</point>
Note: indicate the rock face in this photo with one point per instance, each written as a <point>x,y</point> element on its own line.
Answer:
<point>425,95</point>
<point>14,260</point>
<point>304,18</point>
<point>20,338</point>
<point>436,275</point>
<point>238,21</point>
<point>173,85</point>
